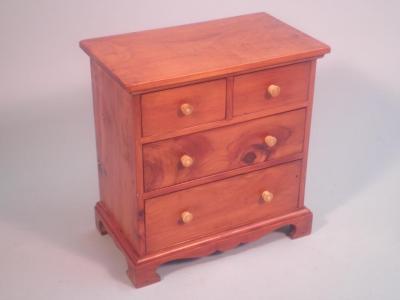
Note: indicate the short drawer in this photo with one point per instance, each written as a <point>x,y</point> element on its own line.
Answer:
<point>221,205</point>
<point>177,108</point>
<point>271,88</point>
<point>197,155</point>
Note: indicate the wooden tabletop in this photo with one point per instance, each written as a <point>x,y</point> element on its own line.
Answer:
<point>161,57</point>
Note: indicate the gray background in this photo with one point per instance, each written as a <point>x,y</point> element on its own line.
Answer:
<point>49,248</point>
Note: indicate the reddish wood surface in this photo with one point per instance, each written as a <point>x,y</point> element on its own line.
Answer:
<point>229,97</point>
<point>116,133</point>
<point>307,132</point>
<point>224,123</point>
<point>222,175</point>
<point>161,111</point>
<point>250,90</point>
<point>223,69</point>
<point>221,205</point>
<point>222,149</point>
<point>142,269</point>
<point>161,57</point>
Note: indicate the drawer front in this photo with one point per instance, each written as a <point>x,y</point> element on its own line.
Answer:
<point>221,205</point>
<point>188,157</point>
<point>182,107</point>
<point>271,88</point>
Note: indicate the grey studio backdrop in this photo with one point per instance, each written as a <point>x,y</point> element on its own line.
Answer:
<point>49,248</point>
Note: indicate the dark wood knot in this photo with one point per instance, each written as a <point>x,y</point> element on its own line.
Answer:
<point>249,157</point>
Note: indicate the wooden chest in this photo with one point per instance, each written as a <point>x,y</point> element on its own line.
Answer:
<point>202,134</point>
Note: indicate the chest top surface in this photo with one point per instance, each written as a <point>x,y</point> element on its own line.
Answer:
<point>160,57</point>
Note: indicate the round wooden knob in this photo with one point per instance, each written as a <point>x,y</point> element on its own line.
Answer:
<point>186,217</point>
<point>274,90</point>
<point>270,140</point>
<point>186,161</point>
<point>267,196</point>
<point>186,109</point>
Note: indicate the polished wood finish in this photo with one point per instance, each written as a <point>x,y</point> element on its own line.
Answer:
<point>187,106</point>
<point>142,269</point>
<point>222,175</point>
<point>202,137</point>
<point>224,123</point>
<point>222,149</point>
<point>118,158</point>
<point>221,205</point>
<point>250,93</point>
<point>307,131</point>
<point>162,57</point>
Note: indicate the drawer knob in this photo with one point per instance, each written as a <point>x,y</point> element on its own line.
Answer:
<point>274,90</point>
<point>270,140</point>
<point>186,217</point>
<point>267,196</point>
<point>186,161</point>
<point>186,109</point>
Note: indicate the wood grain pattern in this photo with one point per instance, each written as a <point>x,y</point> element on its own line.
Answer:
<point>221,205</point>
<point>161,57</point>
<point>116,154</point>
<point>222,175</point>
<point>229,98</point>
<point>307,132</point>
<point>161,111</point>
<point>250,90</point>
<point>222,149</point>
<point>142,269</point>
<point>224,123</point>
<point>182,115</point>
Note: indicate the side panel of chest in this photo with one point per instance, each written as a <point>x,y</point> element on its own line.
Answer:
<point>117,125</point>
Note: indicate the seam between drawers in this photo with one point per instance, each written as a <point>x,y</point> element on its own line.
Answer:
<point>220,176</point>
<point>225,123</point>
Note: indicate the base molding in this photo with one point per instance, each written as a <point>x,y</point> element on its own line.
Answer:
<point>142,269</point>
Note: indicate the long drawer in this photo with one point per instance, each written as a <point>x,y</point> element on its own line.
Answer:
<point>221,205</point>
<point>197,155</point>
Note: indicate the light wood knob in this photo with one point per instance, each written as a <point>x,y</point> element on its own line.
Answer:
<point>267,196</point>
<point>270,140</point>
<point>186,109</point>
<point>274,90</point>
<point>186,217</point>
<point>186,161</point>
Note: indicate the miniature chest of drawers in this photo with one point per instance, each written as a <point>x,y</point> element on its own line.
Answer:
<point>202,134</point>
